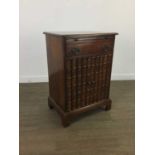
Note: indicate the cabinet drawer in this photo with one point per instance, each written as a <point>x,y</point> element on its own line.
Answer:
<point>88,46</point>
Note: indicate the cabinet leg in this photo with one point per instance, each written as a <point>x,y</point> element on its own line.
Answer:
<point>49,104</point>
<point>106,106</point>
<point>65,121</point>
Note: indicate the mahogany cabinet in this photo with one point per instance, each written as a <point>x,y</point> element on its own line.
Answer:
<point>79,68</point>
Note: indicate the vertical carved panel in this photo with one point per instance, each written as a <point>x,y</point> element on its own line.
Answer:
<point>87,80</point>
<point>68,84</point>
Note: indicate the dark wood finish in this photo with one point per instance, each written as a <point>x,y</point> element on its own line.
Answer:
<point>79,67</point>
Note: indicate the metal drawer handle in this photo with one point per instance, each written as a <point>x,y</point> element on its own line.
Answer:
<point>106,48</point>
<point>75,51</point>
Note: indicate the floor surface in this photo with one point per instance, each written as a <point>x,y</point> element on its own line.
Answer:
<point>94,133</point>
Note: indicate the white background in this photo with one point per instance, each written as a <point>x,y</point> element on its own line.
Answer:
<point>37,16</point>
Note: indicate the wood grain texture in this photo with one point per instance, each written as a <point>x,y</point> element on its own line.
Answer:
<point>55,57</point>
<point>97,132</point>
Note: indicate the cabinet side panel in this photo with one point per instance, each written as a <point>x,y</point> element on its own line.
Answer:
<point>108,71</point>
<point>55,57</point>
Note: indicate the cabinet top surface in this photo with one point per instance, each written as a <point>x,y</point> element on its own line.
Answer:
<point>83,34</point>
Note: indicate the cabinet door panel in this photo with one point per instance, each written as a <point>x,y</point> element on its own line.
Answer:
<point>86,80</point>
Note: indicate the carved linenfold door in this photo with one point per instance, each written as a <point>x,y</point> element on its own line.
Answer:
<point>87,80</point>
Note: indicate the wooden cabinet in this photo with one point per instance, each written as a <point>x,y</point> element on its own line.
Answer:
<point>79,68</point>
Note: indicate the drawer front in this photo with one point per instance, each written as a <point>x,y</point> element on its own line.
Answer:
<point>88,46</point>
<point>86,80</point>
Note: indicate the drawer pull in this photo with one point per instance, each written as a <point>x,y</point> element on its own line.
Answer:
<point>106,48</point>
<point>73,52</point>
